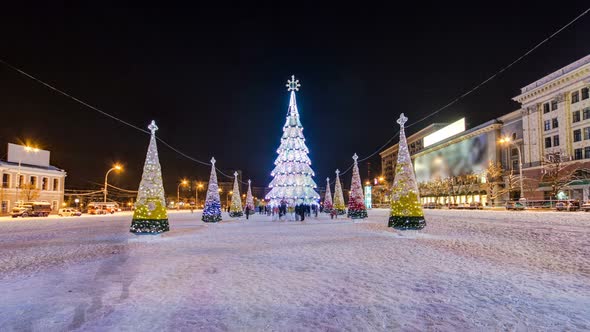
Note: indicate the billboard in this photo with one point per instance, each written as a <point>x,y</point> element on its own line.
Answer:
<point>444,133</point>
<point>27,155</point>
<point>368,197</point>
<point>465,157</point>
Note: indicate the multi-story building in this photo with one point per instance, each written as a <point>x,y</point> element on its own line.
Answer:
<point>556,120</point>
<point>27,175</point>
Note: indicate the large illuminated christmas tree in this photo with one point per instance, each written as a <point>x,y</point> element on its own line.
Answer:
<point>406,210</point>
<point>212,209</point>
<point>338,196</point>
<point>292,174</point>
<point>235,208</point>
<point>328,198</point>
<point>150,207</point>
<point>356,201</point>
<point>249,198</point>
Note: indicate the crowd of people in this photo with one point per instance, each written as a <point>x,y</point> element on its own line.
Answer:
<point>286,212</point>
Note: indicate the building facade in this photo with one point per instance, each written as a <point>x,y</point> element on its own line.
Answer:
<point>556,121</point>
<point>28,176</point>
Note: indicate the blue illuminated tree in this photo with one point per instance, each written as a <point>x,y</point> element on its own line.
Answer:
<point>212,209</point>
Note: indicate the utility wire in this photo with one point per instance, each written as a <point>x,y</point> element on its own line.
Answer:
<point>454,101</point>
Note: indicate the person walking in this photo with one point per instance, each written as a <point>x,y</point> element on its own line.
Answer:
<point>247,212</point>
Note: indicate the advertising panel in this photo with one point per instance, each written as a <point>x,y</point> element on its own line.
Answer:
<point>465,157</point>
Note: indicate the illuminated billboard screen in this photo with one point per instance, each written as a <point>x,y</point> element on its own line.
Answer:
<point>368,198</point>
<point>466,157</point>
<point>444,133</point>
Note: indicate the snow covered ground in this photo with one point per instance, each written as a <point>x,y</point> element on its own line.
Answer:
<point>468,270</point>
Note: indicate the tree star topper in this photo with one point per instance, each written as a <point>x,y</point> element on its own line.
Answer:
<point>355,157</point>
<point>292,84</point>
<point>402,120</point>
<point>152,127</point>
<point>213,161</point>
<point>235,174</point>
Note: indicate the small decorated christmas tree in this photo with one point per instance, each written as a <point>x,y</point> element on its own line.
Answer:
<point>235,208</point>
<point>406,210</point>
<point>328,206</point>
<point>212,209</point>
<point>150,208</point>
<point>249,198</point>
<point>356,201</point>
<point>338,196</point>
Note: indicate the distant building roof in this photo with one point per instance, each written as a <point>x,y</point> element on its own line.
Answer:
<point>46,168</point>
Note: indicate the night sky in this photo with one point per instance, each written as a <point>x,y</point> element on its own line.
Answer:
<point>214,78</point>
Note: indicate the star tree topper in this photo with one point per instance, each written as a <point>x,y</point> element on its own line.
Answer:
<point>152,127</point>
<point>213,161</point>
<point>355,157</point>
<point>402,120</point>
<point>292,84</point>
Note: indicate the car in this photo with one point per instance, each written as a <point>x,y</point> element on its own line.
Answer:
<point>475,206</point>
<point>570,205</point>
<point>31,209</point>
<point>516,206</point>
<point>586,207</point>
<point>432,205</point>
<point>68,212</point>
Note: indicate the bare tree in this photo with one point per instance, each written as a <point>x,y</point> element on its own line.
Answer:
<point>493,174</point>
<point>29,192</point>
<point>556,173</point>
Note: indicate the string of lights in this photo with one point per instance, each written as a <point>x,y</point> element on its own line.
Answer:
<point>429,115</point>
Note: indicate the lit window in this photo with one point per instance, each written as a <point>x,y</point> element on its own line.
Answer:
<point>547,125</point>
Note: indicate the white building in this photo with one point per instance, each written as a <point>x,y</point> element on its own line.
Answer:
<point>27,175</point>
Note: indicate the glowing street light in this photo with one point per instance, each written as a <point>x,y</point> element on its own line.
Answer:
<point>182,183</point>
<point>116,167</point>
<point>508,140</point>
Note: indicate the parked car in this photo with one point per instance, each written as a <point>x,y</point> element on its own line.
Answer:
<point>32,209</point>
<point>586,206</point>
<point>69,212</point>
<point>432,205</point>
<point>517,206</point>
<point>571,205</point>
<point>475,206</point>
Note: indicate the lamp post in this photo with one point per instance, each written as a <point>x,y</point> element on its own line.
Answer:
<point>182,183</point>
<point>197,187</point>
<point>117,167</point>
<point>227,198</point>
<point>508,140</point>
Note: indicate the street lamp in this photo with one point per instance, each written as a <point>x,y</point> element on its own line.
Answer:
<point>182,183</point>
<point>227,197</point>
<point>199,186</point>
<point>508,140</point>
<point>116,167</point>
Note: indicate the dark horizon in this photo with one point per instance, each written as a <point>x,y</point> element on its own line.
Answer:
<point>214,79</point>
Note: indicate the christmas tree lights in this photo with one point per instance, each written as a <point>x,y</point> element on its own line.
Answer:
<point>150,207</point>
<point>212,209</point>
<point>249,198</point>
<point>406,210</point>
<point>356,201</point>
<point>292,176</point>
<point>328,198</point>
<point>235,209</point>
<point>338,196</point>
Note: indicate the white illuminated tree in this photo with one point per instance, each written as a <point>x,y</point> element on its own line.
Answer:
<point>150,214</point>
<point>235,208</point>
<point>292,176</point>
<point>328,205</point>
<point>212,209</point>
<point>249,198</point>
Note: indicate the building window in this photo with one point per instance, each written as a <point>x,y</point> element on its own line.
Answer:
<point>547,142</point>
<point>513,152</point>
<point>34,181</point>
<point>586,113</point>
<point>44,183</point>
<point>514,136</point>
<point>578,154</point>
<point>545,108</point>
<point>547,125</point>
<point>5,180</point>
<point>575,97</point>
<point>576,116</point>
<point>54,206</point>
<point>21,180</point>
<point>587,152</point>
<point>4,207</point>
<point>587,133</point>
<point>55,184</point>
<point>553,105</point>
<point>556,140</point>
<point>577,135</point>
<point>555,123</point>
<point>585,93</point>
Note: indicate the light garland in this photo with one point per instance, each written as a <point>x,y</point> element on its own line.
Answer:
<point>339,206</point>
<point>328,205</point>
<point>356,202</point>
<point>212,210</point>
<point>235,209</point>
